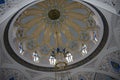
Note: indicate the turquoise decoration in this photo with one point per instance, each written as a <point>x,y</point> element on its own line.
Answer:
<point>12,78</point>
<point>115,66</point>
<point>2,1</point>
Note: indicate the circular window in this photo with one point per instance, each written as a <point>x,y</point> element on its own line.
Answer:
<point>38,28</point>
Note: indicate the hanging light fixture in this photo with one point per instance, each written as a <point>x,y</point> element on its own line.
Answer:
<point>64,75</point>
<point>60,57</point>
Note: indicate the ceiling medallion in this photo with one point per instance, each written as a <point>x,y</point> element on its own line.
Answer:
<point>54,14</point>
<point>53,31</point>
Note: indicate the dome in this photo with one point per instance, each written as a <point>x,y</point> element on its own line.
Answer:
<point>41,27</point>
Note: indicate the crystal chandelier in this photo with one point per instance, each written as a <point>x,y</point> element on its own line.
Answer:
<point>60,55</point>
<point>60,58</point>
<point>64,75</point>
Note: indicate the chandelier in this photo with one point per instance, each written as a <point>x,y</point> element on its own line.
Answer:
<point>60,57</point>
<point>61,60</point>
<point>64,75</point>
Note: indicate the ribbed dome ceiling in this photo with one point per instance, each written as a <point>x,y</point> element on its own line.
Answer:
<point>49,24</point>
